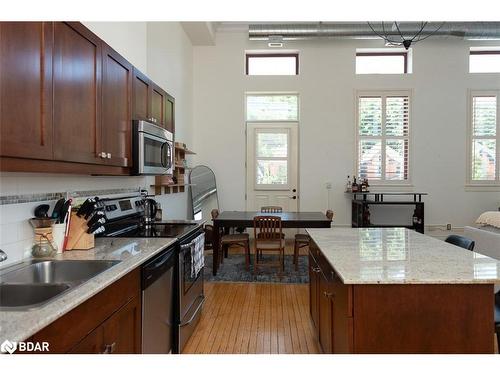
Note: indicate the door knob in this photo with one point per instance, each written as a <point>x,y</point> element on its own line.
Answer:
<point>294,190</point>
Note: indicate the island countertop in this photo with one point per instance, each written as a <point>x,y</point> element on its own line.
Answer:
<point>401,256</point>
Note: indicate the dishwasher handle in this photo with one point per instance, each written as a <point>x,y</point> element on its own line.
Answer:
<point>156,267</point>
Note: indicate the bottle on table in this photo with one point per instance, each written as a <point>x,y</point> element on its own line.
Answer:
<point>348,186</point>
<point>354,186</point>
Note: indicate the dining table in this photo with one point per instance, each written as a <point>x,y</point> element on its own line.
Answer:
<point>244,219</point>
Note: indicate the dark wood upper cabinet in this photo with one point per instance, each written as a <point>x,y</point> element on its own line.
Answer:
<point>142,91</point>
<point>67,101</point>
<point>26,89</point>
<point>77,94</point>
<point>170,114</point>
<point>158,105</point>
<point>117,78</point>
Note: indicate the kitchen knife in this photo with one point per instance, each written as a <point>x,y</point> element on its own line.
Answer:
<point>84,207</point>
<point>96,220</point>
<point>64,211</point>
<point>56,212</point>
<point>96,229</point>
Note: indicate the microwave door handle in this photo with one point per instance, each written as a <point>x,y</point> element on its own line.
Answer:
<point>168,155</point>
<point>162,157</point>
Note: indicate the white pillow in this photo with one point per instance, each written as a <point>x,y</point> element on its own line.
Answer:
<point>489,218</point>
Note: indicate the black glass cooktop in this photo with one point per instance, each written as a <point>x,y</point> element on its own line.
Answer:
<point>159,230</point>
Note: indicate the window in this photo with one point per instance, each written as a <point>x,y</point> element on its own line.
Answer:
<point>381,62</point>
<point>484,61</point>
<point>484,138</point>
<point>272,64</point>
<point>383,136</point>
<point>272,157</point>
<point>272,107</point>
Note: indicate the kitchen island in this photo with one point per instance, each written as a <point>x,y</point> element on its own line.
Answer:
<point>393,290</point>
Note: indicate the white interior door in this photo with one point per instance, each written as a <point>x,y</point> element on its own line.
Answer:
<point>272,165</point>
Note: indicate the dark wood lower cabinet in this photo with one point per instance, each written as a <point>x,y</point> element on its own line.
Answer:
<point>398,318</point>
<point>109,322</point>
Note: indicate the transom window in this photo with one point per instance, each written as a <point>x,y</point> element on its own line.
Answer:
<point>383,136</point>
<point>272,107</point>
<point>375,61</point>
<point>484,137</point>
<point>278,64</point>
<point>484,60</point>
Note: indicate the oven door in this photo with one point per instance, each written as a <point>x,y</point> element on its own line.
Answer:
<point>155,154</point>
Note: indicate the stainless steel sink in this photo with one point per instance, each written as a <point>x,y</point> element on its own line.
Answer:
<point>28,296</point>
<point>57,271</point>
<point>34,283</point>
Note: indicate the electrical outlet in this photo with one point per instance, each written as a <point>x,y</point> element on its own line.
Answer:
<point>448,226</point>
<point>328,185</point>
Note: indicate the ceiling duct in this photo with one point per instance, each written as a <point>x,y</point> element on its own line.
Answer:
<point>361,30</point>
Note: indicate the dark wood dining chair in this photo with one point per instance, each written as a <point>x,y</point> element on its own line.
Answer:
<point>271,209</point>
<point>226,240</point>
<point>302,240</point>
<point>268,238</point>
<point>461,241</point>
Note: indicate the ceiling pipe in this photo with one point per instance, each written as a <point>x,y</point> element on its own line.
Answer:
<point>361,30</point>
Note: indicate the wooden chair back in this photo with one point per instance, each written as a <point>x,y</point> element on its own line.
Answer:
<point>267,228</point>
<point>329,214</point>
<point>271,209</point>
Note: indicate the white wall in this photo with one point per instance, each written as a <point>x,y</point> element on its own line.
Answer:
<point>163,52</point>
<point>327,86</point>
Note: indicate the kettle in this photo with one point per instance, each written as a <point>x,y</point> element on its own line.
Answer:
<point>150,209</point>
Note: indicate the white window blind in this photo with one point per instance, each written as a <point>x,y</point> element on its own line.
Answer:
<point>383,132</point>
<point>484,138</point>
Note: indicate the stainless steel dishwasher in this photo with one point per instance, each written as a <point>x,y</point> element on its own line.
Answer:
<point>158,303</point>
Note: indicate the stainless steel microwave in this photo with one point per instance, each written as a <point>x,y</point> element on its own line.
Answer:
<point>153,149</point>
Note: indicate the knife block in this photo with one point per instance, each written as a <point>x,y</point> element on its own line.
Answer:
<point>78,238</point>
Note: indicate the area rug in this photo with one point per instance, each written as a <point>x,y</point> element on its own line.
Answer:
<point>233,270</point>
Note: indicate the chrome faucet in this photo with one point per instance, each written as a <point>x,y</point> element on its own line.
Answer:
<point>3,255</point>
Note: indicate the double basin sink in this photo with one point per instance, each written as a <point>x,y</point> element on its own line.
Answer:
<point>32,284</point>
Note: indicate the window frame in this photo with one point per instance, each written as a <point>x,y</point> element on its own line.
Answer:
<point>470,138</point>
<point>383,137</point>
<point>249,55</point>
<point>483,52</point>
<point>388,53</point>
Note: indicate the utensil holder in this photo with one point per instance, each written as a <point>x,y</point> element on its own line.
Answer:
<point>78,238</point>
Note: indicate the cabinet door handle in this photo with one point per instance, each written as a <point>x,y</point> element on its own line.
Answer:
<point>109,348</point>
<point>328,294</point>
<point>102,155</point>
<point>316,269</point>
<point>109,155</point>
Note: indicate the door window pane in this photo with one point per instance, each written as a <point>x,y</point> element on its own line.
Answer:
<point>272,172</point>
<point>370,116</point>
<point>370,159</point>
<point>272,107</point>
<point>395,162</point>
<point>272,145</point>
<point>483,159</point>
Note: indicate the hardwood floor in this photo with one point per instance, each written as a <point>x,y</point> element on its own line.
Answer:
<point>254,318</point>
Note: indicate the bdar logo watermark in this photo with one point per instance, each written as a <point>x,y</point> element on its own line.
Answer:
<point>11,346</point>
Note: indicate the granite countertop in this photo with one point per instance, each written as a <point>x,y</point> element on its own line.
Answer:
<point>401,256</point>
<point>20,325</point>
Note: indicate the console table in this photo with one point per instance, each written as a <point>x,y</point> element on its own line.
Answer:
<point>361,202</point>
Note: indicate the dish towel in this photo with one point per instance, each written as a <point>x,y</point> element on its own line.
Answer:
<point>197,255</point>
